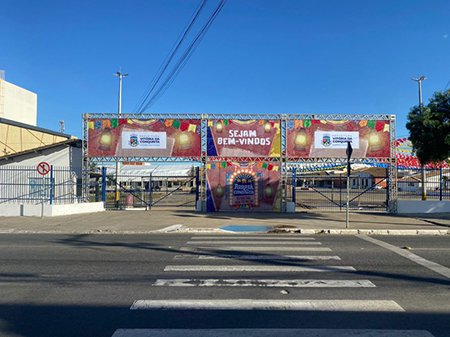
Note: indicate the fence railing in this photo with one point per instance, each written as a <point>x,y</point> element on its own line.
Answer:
<point>437,184</point>
<point>23,184</point>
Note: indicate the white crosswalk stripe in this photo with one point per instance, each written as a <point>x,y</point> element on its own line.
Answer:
<point>227,242</point>
<point>269,333</point>
<point>257,268</point>
<point>264,257</point>
<point>246,238</point>
<point>258,249</point>
<point>253,304</point>
<point>292,283</point>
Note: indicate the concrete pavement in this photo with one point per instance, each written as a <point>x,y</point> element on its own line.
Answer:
<point>184,219</point>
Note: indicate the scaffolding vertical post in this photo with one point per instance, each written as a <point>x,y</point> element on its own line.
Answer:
<point>203,162</point>
<point>392,168</point>
<point>294,184</point>
<point>440,183</point>
<point>104,184</point>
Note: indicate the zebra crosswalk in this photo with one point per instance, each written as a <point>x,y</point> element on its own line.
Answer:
<point>233,262</point>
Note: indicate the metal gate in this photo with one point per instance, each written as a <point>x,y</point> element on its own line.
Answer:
<point>146,192</point>
<point>327,191</point>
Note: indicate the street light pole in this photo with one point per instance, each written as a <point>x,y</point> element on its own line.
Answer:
<point>419,81</point>
<point>119,115</point>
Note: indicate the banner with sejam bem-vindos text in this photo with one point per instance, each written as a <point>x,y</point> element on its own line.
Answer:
<point>123,137</point>
<point>243,186</point>
<point>328,138</point>
<point>243,138</point>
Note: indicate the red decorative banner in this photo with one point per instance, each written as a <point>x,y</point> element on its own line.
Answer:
<point>244,138</point>
<point>328,139</point>
<point>143,138</point>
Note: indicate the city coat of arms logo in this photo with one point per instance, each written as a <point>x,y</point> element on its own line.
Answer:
<point>326,140</point>
<point>134,140</point>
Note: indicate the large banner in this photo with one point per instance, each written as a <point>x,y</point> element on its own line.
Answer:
<point>144,137</point>
<point>243,186</point>
<point>244,138</point>
<point>328,139</point>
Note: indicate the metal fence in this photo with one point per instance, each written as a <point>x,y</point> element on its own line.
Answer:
<point>437,184</point>
<point>328,192</point>
<point>23,184</point>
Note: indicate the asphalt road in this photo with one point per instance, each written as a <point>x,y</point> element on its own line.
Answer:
<point>86,285</point>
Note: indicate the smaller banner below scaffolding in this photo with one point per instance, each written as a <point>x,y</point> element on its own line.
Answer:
<point>247,186</point>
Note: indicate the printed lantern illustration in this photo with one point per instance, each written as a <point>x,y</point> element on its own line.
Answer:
<point>184,140</point>
<point>106,140</point>
<point>300,141</point>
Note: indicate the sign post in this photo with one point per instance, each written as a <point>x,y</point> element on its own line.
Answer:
<point>43,168</point>
<point>348,151</point>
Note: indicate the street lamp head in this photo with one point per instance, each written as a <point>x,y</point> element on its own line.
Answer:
<point>419,79</point>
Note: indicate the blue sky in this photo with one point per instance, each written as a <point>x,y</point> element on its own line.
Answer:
<point>268,56</point>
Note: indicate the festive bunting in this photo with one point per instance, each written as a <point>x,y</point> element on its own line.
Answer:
<point>168,123</point>
<point>386,128</point>
<point>229,163</point>
<point>123,121</point>
<point>261,122</point>
<point>307,123</point>
<point>224,164</point>
<point>208,166</point>
<point>371,124</point>
<point>226,122</point>
<point>270,167</point>
<point>90,125</point>
<point>114,123</point>
<point>362,123</point>
<point>379,126</point>
<point>176,124</point>
<point>264,165</point>
<point>213,166</point>
<point>210,123</point>
<point>184,126</point>
<point>192,127</point>
<point>275,168</point>
<point>98,125</point>
<point>298,124</point>
<point>106,123</point>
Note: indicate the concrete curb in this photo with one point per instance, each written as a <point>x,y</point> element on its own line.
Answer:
<point>178,229</point>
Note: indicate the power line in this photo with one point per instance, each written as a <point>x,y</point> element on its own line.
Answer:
<point>171,55</point>
<point>185,57</point>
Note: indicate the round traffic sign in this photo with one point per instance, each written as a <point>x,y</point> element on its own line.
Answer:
<point>43,168</point>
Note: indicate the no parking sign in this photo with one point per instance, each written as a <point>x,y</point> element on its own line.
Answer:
<point>43,168</point>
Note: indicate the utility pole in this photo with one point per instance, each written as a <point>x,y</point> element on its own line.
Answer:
<point>119,115</point>
<point>419,81</point>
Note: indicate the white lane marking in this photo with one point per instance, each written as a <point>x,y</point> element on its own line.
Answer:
<point>259,249</point>
<point>430,248</point>
<point>263,283</point>
<point>410,256</point>
<point>269,333</point>
<point>291,238</point>
<point>228,242</point>
<point>257,257</point>
<point>256,268</point>
<point>252,304</point>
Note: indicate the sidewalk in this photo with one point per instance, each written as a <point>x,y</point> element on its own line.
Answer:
<point>184,220</point>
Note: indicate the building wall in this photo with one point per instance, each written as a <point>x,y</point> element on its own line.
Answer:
<point>61,156</point>
<point>17,104</point>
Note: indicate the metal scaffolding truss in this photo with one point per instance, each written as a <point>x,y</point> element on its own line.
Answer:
<point>287,164</point>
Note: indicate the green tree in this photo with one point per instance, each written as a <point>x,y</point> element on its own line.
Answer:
<point>430,130</point>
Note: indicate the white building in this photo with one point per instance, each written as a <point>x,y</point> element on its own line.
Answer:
<point>16,103</point>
